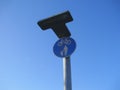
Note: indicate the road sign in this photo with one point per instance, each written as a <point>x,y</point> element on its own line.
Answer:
<point>64,47</point>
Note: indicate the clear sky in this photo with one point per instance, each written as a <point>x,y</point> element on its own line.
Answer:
<point>27,61</point>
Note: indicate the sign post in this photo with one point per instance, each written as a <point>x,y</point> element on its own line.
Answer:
<point>65,46</point>
<point>67,73</point>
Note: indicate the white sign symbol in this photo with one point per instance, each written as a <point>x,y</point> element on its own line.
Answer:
<point>65,41</point>
<point>64,51</point>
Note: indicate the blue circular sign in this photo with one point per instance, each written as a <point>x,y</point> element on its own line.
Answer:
<point>64,47</point>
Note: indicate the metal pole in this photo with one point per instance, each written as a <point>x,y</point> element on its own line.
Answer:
<point>67,73</point>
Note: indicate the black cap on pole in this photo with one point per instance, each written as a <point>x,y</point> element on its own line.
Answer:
<point>57,23</point>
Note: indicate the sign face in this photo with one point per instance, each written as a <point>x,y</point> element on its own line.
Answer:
<point>64,47</point>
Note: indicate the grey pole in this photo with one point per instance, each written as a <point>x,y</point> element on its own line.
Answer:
<point>67,73</point>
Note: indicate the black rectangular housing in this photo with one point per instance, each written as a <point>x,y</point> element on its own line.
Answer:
<point>57,23</point>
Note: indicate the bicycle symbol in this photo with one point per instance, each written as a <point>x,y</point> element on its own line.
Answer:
<point>65,41</point>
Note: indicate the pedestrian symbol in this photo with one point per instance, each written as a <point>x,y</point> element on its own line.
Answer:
<point>64,51</point>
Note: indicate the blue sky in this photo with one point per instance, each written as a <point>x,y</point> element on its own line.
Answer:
<point>27,61</point>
